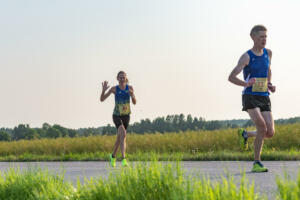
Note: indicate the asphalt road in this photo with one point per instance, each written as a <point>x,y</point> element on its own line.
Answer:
<point>264,182</point>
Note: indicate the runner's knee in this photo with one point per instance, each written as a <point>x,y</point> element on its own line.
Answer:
<point>262,128</point>
<point>270,133</point>
<point>124,134</point>
<point>122,130</point>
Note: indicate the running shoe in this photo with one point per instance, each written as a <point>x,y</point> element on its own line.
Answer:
<point>258,167</point>
<point>243,141</point>
<point>124,162</point>
<point>112,161</point>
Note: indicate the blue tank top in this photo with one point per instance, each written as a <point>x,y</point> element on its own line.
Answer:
<point>258,68</point>
<point>122,101</point>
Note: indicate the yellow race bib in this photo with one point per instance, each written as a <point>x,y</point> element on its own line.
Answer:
<point>260,85</point>
<point>124,109</point>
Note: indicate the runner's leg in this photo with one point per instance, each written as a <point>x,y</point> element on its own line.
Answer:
<point>267,115</point>
<point>261,128</point>
<point>118,123</point>
<point>122,133</point>
<point>117,144</point>
<point>251,133</point>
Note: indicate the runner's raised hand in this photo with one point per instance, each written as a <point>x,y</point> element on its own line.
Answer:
<point>105,86</point>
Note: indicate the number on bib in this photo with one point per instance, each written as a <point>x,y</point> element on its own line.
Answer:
<point>260,85</point>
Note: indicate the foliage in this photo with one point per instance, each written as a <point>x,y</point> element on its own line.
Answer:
<point>194,145</point>
<point>170,123</point>
<point>4,136</point>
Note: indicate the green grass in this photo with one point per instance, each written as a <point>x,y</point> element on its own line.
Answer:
<point>152,180</point>
<point>33,184</point>
<point>157,181</point>
<point>148,156</point>
<point>288,188</point>
<point>143,181</point>
<point>190,145</point>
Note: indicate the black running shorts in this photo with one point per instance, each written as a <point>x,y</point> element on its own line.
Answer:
<point>121,120</point>
<point>256,101</point>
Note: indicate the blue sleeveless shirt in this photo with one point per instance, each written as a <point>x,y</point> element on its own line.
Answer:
<point>122,101</point>
<point>258,68</point>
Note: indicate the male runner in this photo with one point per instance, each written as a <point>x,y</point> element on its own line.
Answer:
<point>255,64</point>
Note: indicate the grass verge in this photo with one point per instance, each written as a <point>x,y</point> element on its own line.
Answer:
<point>270,155</point>
<point>152,180</point>
<point>143,181</point>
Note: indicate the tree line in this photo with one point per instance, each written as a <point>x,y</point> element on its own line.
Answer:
<point>170,123</point>
<point>180,123</point>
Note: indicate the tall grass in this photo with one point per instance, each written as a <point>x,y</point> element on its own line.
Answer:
<point>157,181</point>
<point>192,143</point>
<point>288,189</point>
<point>286,137</point>
<point>152,180</point>
<point>33,185</point>
<point>143,181</point>
<point>169,142</point>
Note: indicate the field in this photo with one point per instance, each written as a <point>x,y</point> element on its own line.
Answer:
<point>190,145</point>
<point>146,181</point>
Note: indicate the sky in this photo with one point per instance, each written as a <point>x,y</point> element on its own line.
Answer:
<point>177,54</point>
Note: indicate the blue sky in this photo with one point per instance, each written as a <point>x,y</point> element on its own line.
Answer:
<point>177,54</point>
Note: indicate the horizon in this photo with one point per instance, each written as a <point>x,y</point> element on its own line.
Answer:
<point>185,116</point>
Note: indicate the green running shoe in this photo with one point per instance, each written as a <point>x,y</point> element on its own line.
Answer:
<point>258,167</point>
<point>124,162</point>
<point>243,141</point>
<point>112,161</point>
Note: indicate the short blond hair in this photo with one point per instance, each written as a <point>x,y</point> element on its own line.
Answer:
<point>257,28</point>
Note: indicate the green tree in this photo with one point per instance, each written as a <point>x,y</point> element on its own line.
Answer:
<point>4,136</point>
<point>72,133</point>
<point>46,126</point>
<point>31,134</point>
<point>108,130</point>
<point>19,132</point>
<point>63,131</point>
<point>53,133</point>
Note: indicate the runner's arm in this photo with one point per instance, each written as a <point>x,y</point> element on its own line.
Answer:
<point>271,87</point>
<point>131,92</point>
<point>243,62</point>
<point>107,94</point>
<point>270,72</point>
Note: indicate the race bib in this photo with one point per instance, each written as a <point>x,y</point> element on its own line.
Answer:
<point>260,85</point>
<point>124,109</point>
